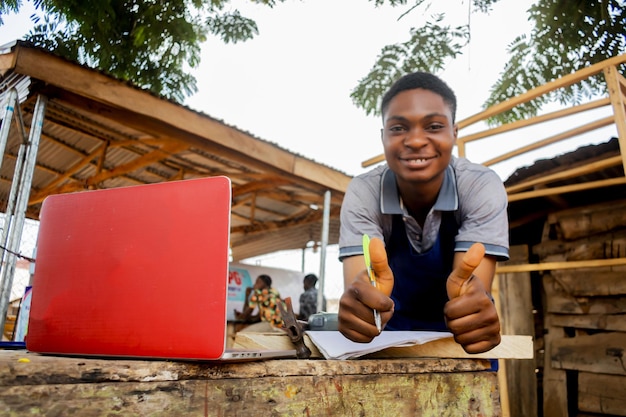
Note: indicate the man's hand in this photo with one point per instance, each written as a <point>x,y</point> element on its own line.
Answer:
<point>360,298</point>
<point>470,313</point>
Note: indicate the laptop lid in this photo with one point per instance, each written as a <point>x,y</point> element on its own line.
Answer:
<point>135,272</point>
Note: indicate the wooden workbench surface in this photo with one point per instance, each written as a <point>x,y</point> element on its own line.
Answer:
<point>32,384</point>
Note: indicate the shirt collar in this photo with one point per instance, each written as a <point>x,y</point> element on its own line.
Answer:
<point>448,199</point>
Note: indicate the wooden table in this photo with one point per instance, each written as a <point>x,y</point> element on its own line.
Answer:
<point>38,385</point>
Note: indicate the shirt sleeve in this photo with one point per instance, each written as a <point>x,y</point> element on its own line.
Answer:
<point>483,214</point>
<point>360,214</point>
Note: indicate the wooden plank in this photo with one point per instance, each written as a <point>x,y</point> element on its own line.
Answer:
<point>53,385</point>
<point>603,246</point>
<point>543,89</point>
<point>614,322</point>
<point>550,266</point>
<point>428,394</point>
<point>577,171</point>
<point>513,295</point>
<point>7,62</point>
<point>511,347</point>
<point>558,300</point>
<point>563,189</point>
<point>599,353</point>
<point>568,134</point>
<point>594,282</point>
<point>603,394</point>
<point>615,87</point>
<point>272,341</point>
<point>554,379</point>
<point>137,104</point>
<point>25,368</point>
<point>589,220</point>
<point>562,303</point>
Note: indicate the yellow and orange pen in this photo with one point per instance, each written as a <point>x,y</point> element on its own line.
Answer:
<point>372,276</point>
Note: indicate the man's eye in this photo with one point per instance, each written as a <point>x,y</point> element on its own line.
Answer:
<point>396,129</point>
<point>435,126</point>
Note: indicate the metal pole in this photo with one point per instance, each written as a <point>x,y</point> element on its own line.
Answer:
<point>11,103</point>
<point>325,228</point>
<point>24,178</point>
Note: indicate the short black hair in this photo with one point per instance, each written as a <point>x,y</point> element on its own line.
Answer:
<point>266,279</point>
<point>425,81</point>
<point>311,279</point>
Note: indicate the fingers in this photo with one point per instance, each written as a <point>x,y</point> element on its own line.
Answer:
<point>460,276</point>
<point>356,310</point>
<point>357,304</point>
<point>473,319</point>
<point>480,339</point>
<point>380,266</point>
<point>482,346</point>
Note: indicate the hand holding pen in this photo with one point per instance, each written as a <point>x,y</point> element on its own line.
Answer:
<point>361,297</point>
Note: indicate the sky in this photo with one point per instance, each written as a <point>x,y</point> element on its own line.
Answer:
<point>291,84</point>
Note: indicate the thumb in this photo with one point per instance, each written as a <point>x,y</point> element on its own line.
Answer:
<point>461,274</point>
<point>380,267</point>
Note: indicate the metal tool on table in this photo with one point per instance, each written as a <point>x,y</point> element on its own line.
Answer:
<point>323,322</point>
<point>294,329</point>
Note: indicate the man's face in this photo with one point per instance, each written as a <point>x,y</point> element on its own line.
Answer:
<point>418,136</point>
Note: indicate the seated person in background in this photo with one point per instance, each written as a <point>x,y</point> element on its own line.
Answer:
<point>266,299</point>
<point>438,225</point>
<point>308,299</point>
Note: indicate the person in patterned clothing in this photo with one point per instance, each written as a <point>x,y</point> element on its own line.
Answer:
<point>264,298</point>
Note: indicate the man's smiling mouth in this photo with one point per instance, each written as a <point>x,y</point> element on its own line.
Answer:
<point>418,160</point>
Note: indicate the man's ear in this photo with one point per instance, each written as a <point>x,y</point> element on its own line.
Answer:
<point>381,134</point>
<point>456,131</point>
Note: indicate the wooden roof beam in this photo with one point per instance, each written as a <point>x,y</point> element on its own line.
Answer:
<point>312,216</point>
<point>140,107</point>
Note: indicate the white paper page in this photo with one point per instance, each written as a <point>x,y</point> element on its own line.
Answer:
<point>334,345</point>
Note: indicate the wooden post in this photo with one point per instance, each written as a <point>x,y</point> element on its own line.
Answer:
<point>517,378</point>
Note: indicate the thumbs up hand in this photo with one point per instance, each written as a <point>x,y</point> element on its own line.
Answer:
<point>360,298</point>
<point>470,314</point>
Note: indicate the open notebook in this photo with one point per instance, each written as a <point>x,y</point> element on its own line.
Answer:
<point>135,272</point>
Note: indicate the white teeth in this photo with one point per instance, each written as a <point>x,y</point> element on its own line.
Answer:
<point>418,160</point>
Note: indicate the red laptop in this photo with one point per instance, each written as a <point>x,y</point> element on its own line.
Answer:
<point>135,272</point>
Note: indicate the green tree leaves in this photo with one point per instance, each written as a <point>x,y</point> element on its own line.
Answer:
<point>428,48</point>
<point>568,35</point>
<point>149,43</point>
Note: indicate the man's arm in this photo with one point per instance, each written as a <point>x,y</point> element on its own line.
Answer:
<point>351,268</point>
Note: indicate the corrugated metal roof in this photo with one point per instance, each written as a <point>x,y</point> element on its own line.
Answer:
<point>99,132</point>
<point>530,231</point>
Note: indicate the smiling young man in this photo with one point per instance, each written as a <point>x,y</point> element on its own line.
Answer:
<point>438,223</point>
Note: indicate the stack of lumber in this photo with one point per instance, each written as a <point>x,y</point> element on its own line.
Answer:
<point>585,311</point>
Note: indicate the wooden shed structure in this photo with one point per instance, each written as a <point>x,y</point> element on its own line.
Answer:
<point>99,132</point>
<point>80,129</point>
<point>566,280</point>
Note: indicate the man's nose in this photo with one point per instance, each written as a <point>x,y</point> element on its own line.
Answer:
<point>415,137</point>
